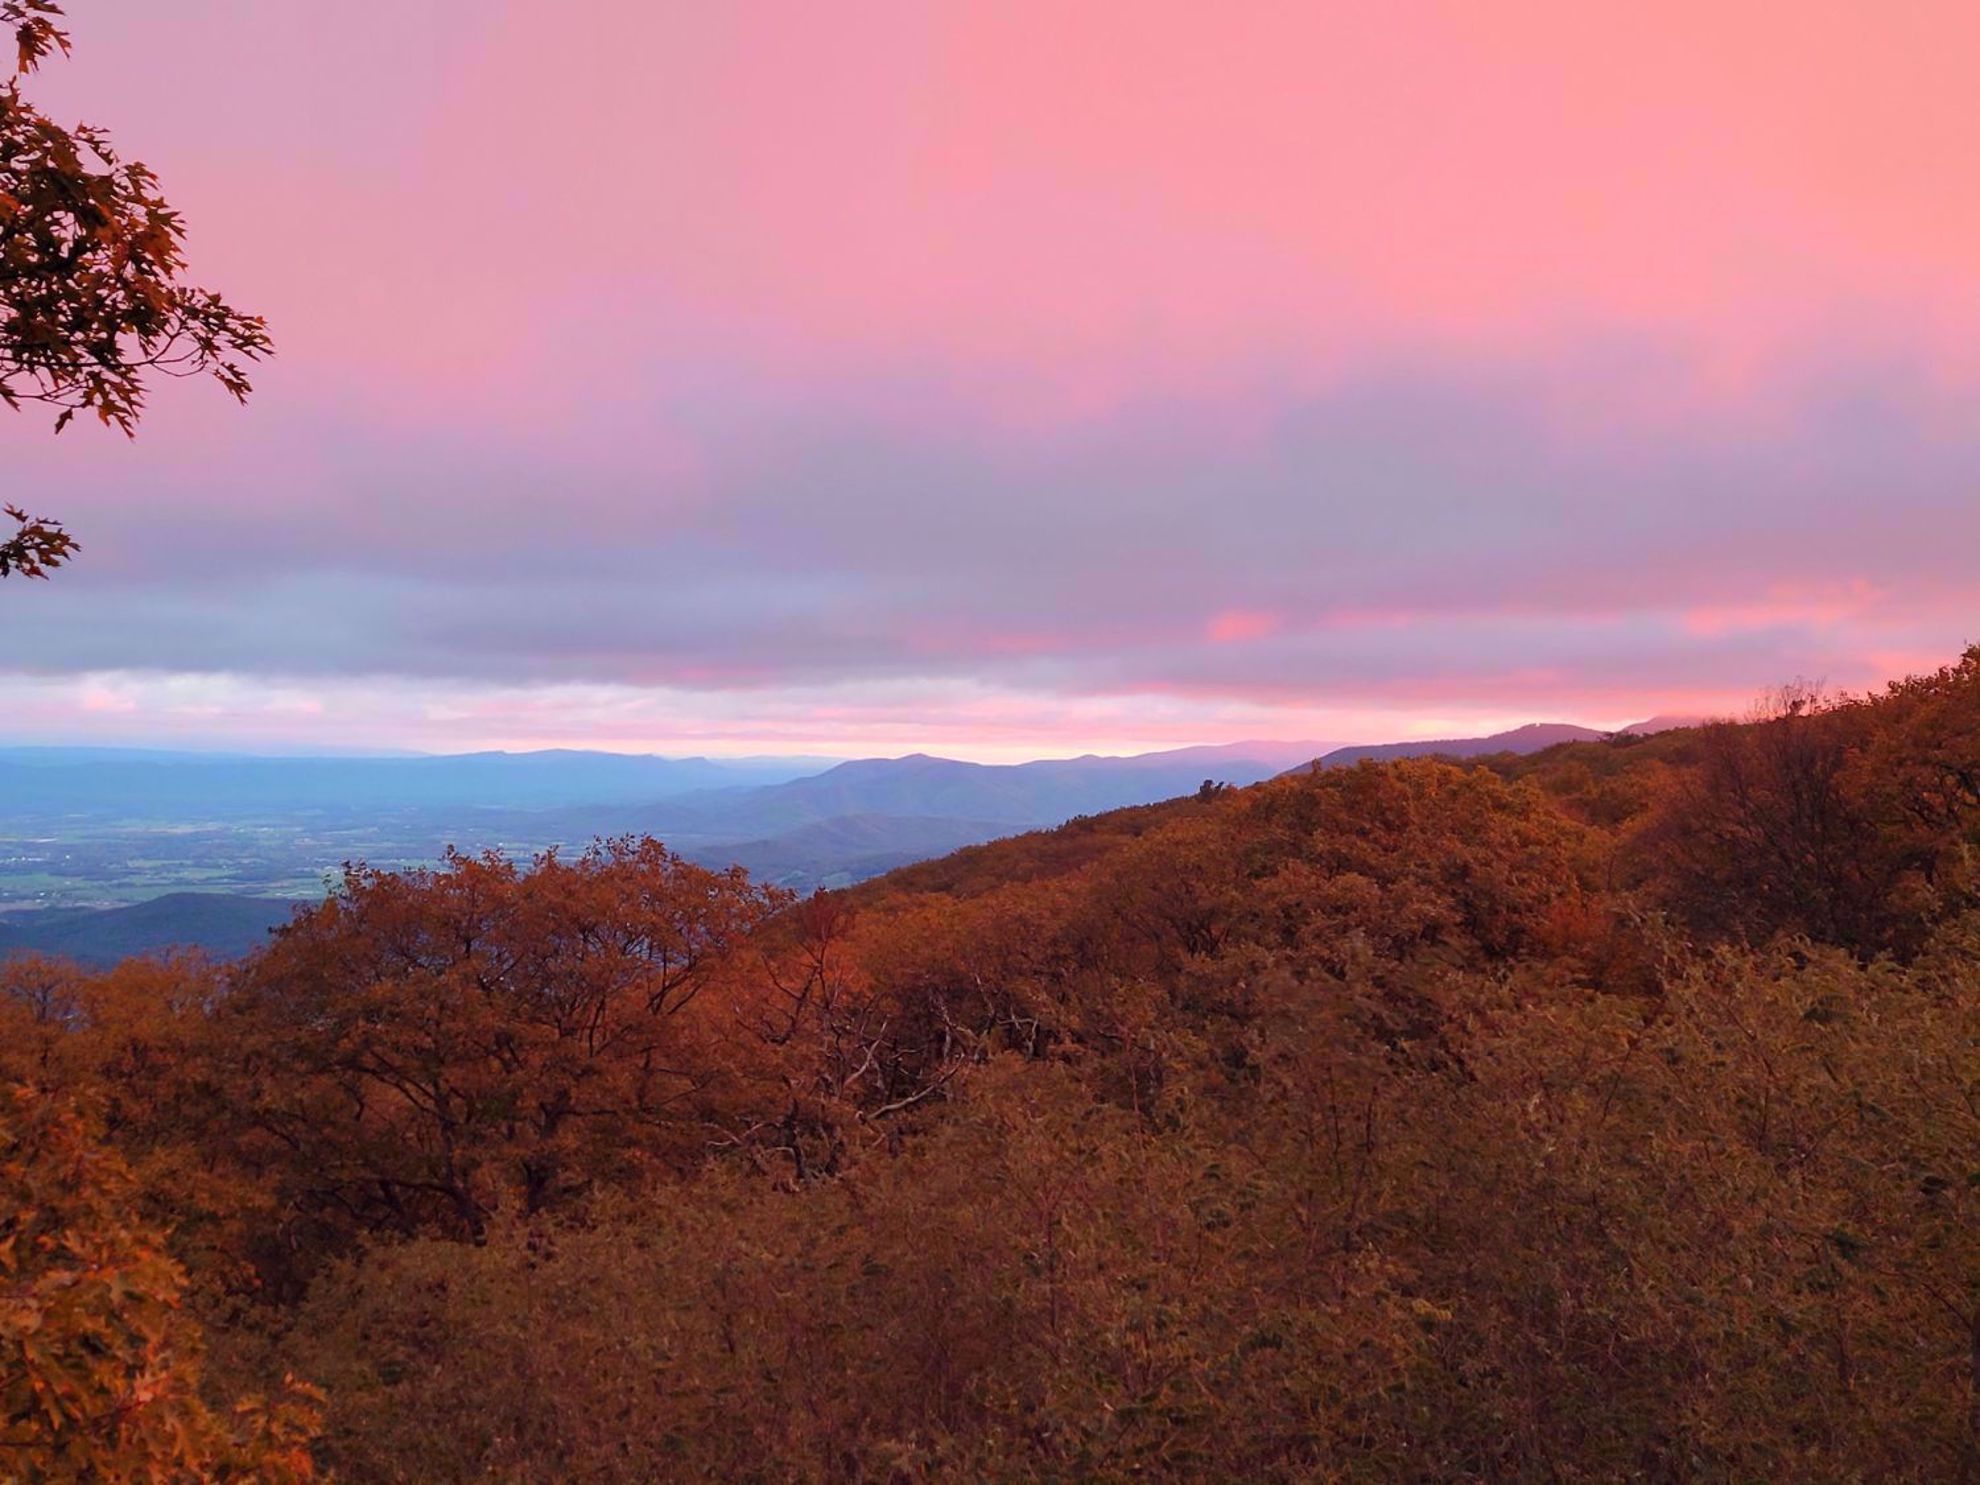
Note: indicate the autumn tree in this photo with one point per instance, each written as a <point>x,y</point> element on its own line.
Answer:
<point>1918,775</point>
<point>99,1361</point>
<point>93,301</point>
<point>424,1048</point>
<point>135,1042</point>
<point>1852,820</point>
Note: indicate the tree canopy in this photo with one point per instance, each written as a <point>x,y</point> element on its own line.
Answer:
<point>1602,1114</point>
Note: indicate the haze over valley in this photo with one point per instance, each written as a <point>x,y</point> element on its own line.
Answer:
<point>226,846</point>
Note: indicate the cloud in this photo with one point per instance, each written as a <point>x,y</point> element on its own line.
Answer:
<point>1288,368</point>
<point>1410,525</point>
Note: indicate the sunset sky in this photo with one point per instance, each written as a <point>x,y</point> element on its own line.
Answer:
<point>1016,379</point>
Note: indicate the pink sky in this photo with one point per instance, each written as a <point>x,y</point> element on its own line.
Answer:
<point>1015,378</point>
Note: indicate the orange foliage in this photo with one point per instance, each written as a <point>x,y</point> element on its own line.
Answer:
<point>1604,1114</point>
<point>99,1366</point>
<point>423,1049</point>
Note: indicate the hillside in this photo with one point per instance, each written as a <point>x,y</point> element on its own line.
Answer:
<point>1031,856</point>
<point>87,826</point>
<point>1531,738</point>
<point>1013,796</point>
<point>221,925</point>
<point>844,849</point>
<point>1600,1112</point>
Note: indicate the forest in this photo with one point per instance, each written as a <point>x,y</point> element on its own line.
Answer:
<point>1607,1113</point>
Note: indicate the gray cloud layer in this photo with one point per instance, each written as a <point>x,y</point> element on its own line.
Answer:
<point>1428,530</point>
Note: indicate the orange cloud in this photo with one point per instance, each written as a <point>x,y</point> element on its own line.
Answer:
<point>1236,625</point>
<point>1783,606</point>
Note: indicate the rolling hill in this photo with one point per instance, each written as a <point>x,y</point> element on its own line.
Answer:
<point>1000,798</point>
<point>1531,738</point>
<point>222,925</point>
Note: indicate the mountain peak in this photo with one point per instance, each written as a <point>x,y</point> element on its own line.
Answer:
<point>1665,722</point>
<point>1531,737</point>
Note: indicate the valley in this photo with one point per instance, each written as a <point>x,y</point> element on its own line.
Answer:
<point>87,834</point>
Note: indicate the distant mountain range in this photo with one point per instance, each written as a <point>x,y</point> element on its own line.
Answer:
<point>873,814</point>
<point>89,829</point>
<point>1534,737</point>
<point>1018,795</point>
<point>84,827</point>
<point>128,782</point>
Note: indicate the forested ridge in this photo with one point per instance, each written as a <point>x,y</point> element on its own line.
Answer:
<point>1607,1113</point>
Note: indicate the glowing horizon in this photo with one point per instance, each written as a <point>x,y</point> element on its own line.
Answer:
<point>228,715</point>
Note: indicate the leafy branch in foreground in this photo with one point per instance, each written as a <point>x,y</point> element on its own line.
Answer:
<point>92,301</point>
<point>90,262</point>
<point>36,546</point>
